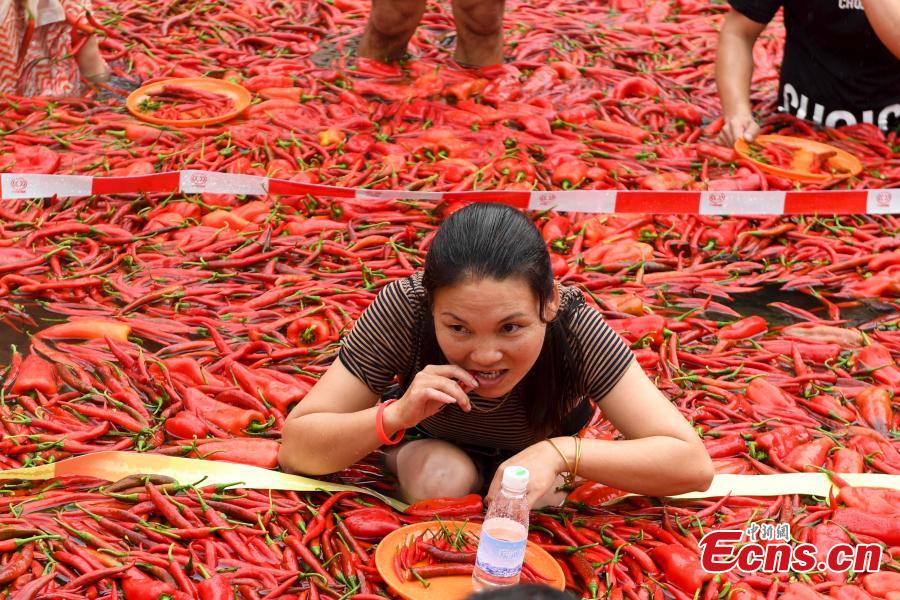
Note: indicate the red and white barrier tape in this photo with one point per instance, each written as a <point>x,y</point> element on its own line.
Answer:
<point>884,201</point>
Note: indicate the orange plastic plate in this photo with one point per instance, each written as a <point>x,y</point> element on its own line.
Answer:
<point>457,587</point>
<point>806,153</point>
<point>239,94</point>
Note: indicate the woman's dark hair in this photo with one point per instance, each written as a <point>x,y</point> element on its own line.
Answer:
<point>486,240</point>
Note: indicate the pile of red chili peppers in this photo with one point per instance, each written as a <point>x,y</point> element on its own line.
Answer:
<point>189,325</point>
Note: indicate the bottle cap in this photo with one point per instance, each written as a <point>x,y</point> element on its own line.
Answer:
<point>515,479</point>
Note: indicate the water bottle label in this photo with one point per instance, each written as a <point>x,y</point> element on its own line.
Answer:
<point>500,558</point>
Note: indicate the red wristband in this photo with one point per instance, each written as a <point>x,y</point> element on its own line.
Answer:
<point>379,425</point>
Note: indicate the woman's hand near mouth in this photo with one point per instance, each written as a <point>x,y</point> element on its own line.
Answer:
<point>432,389</point>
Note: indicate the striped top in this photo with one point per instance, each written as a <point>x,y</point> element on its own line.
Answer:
<point>382,344</point>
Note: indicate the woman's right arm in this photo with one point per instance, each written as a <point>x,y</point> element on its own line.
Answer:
<point>334,425</point>
<point>734,73</point>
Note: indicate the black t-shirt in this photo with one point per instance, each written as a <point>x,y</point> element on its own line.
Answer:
<point>835,69</point>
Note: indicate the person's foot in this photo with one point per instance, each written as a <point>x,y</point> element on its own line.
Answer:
<point>91,64</point>
<point>480,53</point>
<point>381,47</point>
<point>102,77</point>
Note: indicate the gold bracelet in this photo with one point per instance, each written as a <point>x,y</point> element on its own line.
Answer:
<point>577,456</point>
<point>569,478</point>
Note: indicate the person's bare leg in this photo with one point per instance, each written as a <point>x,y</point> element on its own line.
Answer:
<point>479,32</point>
<point>391,24</point>
<point>91,63</point>
<point>432,469</point>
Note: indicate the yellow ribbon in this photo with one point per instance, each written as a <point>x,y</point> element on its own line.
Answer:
<point>113,466</point>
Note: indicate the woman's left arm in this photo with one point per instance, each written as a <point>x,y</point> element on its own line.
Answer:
<point>884,16</point>
<point>661,455</point>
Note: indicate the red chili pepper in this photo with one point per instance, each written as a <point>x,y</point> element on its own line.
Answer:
<point>684,111</point>
<point>166,508</point>
<point>555,228</point>
<point>810,456</point>
<point>846,460</point>
<point>782,439</point>
<point>884,501</point>
<point>666,181</point>
<point>681,567</point>
<point>846,338</point>
<point>278,389</point>
<point>586,573</point>
<point>231,419</point>
<point>515,169</point>
<point>877,359</point>
<point>720,153</point>
<point>873,287</point>
<point>764,393</point>
<point>622,131</point>
<point>723,234</point>
<point>635,86</point>
<point>371,523</point>
<point>828,406</point>
<point>743,329</point>
<point>558,264</point>
<point>88,329</point>
<point>18,564</point>
<point>35,373</point>
<point>448,570</point>
<point>317,526</point>
<point>578,114</point>
<point>443,555</point>
<point>186,425</point>
<point>188,371</point>
<point>34,159</point>
<point>817,353</point>
<point>565,70</point>
<point>875,408</point>
<point>216,587</point>
<point>885,528</point>
<point>465,89</point>
<point>882,584</point>
<point>309,331</point>
<point>467,506</point>
<point>138,586</point>
<point>593,494</point>
<point>645,330</point>
<point>256,452</point>
<point>570,174</point>
<point>725,446</point>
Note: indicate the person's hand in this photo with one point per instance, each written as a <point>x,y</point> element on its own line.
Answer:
<point>740,126</point>
<point>543,463</point>
<point>433,388</point>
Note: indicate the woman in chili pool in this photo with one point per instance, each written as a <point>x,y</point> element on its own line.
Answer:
<point>497,364</point>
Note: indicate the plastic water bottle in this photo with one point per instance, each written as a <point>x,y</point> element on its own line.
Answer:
<point>504,534</point>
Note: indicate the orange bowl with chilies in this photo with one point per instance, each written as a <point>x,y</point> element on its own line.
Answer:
<point>453,587</point>
<point>799,159</point>
<point>140,101</point>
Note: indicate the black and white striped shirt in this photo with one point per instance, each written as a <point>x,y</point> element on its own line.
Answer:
<point>382,344</point>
